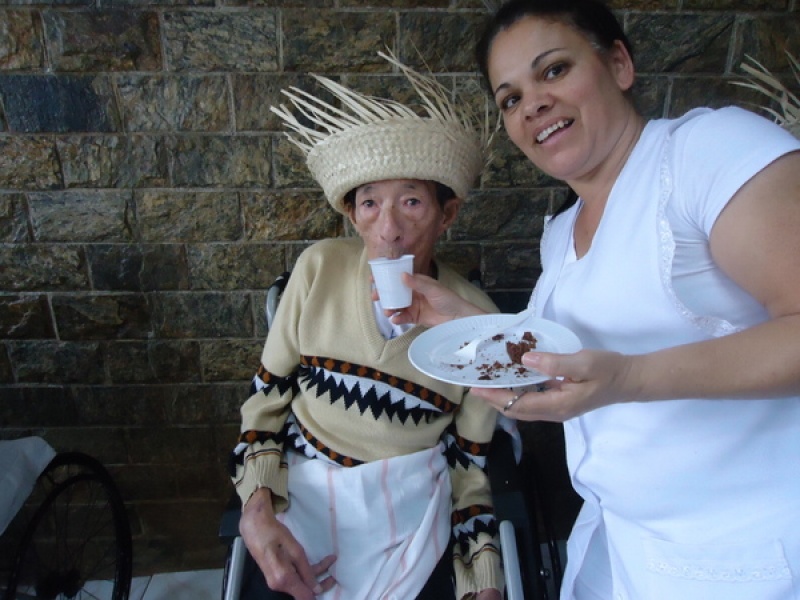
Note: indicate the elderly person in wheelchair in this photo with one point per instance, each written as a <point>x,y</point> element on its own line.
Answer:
<point>360,477</point>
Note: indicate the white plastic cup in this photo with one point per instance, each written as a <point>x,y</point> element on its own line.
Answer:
<point>387,273</point>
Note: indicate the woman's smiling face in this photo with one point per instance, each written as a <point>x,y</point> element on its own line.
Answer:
<point>563,102</point>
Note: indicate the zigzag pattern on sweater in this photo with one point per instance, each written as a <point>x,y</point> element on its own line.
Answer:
<point>467,531</point>
<point>265,381</point>
<point>463,452</point>
<point>302,440</point>
<point>372,390</point>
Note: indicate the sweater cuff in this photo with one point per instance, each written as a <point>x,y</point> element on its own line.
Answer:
<point>483,573</point>
<point>264,471</point>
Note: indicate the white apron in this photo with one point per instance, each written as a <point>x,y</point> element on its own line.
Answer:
<point>388,521</point>
<point>683,499</point>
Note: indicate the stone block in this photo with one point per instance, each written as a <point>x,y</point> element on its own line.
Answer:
<point>229,396</point>
<point>169,445</point>
<point>29,163</point>
<point>234,266</point>
<point>502,216</point>
<point>220,161</point>
<point>152,361</point>
<point>51,362</point>
<point>102,316</point>
<point>465,259</point>
<point>174,102</point>
<point>690,92</point>
<point>394,4</point>
<point>175,216</point>
<point>768,39</point>
<point>226,360</point>
<point>221,41</point>
<point>138,267</point>
<point>306,4</point>
<point>42,267</point>
<point>145,483</point>
<point>21,41</point>
<point>203,315</point>
<point>113,161</point>
<point>334,41</point>
<point>736,5</point>
<point>13,218</point>
<point>685,43</point>
<point>178,536</point>
<point>290,216</point>
<point>103,40</point>
<point>58,103</point>
<point>108,444</point>
<point>81,216</point>
<point>25,316</point>
<point>650,95</point>
<point>6,375</point>
<point>511,265</point>
<point>508,167</point>
<point>440,41</point>
<point>46,406</point>
<point>254,93</point>
<point>290,166</point>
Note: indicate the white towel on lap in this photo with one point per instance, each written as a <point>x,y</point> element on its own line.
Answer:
<point>388,522</point>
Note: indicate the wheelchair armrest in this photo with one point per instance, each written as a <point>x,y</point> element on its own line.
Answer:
<point>514,517</point>
<point>229,524</point>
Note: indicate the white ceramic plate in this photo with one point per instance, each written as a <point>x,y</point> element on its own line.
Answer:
<point>492,368</point>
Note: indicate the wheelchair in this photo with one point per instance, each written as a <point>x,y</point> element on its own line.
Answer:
<point>533,570</point>
<point>76,537</point>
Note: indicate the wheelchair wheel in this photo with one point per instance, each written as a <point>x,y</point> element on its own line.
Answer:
<point>78,541</point>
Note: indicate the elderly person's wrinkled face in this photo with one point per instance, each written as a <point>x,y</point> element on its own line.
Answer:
<point>401,216</point>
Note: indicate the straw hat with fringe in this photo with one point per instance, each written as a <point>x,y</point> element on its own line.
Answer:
<point>788,104</point>
<point>373,139</point>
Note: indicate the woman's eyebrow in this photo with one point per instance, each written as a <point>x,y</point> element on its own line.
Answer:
<point>534,65</point>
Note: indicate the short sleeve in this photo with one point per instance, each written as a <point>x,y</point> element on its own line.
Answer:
<point>714,154</point>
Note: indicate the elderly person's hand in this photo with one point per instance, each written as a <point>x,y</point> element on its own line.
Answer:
<point>586,380</point>
<point>278,554</point>
<point>432,303</point>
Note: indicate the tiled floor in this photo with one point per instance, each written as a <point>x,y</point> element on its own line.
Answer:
<point>190,585</point>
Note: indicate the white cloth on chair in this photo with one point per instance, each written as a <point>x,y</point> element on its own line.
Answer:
<point>21,463</point>
<point>388,521</point>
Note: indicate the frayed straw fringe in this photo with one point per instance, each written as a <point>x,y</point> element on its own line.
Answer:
<point>328,120</point>
<point>762,81</point>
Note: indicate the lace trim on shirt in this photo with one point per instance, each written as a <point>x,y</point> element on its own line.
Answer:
<point>542,244</point>
<point>692,570</point>
<point>714,326</point>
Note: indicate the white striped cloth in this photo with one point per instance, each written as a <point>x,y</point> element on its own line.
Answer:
<point>388,521</point>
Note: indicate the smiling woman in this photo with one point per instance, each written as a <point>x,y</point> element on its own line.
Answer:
<point>671,268</point>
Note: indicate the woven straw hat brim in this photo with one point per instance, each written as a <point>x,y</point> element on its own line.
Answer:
<point>396,149</point>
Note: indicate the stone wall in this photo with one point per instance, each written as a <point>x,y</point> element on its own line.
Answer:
<point>147,199</point>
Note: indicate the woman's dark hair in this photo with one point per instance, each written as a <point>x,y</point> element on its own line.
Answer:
<point>443,194</point>
<point>591,17</point>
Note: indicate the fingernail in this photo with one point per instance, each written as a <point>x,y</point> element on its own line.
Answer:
<point>531,359</point>
<point>317,589</point>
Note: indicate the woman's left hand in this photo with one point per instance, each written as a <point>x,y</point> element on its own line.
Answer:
<point>581,382</point>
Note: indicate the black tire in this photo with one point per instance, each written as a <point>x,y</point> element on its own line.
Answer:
<point>79,534</point>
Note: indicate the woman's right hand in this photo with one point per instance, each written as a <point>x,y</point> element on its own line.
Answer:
<point>278,554</point>
<point>432,303</point>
